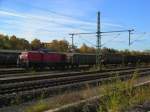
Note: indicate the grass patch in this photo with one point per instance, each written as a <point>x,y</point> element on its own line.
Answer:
<point>39,107</point>
<point>121,96</point>
<point>66,98</point>
<point>118,96</point>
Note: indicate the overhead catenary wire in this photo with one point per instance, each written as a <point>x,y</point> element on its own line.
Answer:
<point>87,41</point>
<point>111,39</point>
<point>139,40</point>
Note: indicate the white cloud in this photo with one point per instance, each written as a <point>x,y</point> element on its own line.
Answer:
<point>113,25</point>
<point>44,25</point>
<point>4,13</point>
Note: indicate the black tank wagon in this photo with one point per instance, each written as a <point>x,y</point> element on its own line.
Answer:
<point>9,57</point>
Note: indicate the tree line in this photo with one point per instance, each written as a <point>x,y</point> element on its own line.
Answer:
<point>15,43</point>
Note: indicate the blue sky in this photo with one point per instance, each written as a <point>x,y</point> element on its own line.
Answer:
<point>55,19</point>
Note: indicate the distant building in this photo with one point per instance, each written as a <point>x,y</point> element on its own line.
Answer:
<point>46,44</point>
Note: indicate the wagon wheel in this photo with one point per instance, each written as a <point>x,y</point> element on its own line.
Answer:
<point>18,63</point>
<point>27,65</point>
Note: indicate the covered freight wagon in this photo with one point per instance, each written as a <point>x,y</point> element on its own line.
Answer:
<point>76,59</point>
<point>113,58</point>
<point>134,59</point>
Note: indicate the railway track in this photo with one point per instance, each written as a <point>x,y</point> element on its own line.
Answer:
<point>33,86</point>
<point>17,72</point>
<point>58,81</point>
<point>11,70</point>
<point>6,72</point>
<point>13,75</point>
<point>12,78</point>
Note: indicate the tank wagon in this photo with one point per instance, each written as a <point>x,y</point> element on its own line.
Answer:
<point>9,57</point>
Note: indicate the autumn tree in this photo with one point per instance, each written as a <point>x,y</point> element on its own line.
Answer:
<point>54,45</point>
<point>4,42</point>
<point>36,44</point>
<point>24,44</point>
<point>61,46</point>
<point>14,42</point>
<point>19,43</point>
<point>108,51</point>
<point>86,49</point>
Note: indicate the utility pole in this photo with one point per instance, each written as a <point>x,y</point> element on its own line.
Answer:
<point>130,36</point>
<point>72,40</point>
<point>98,52</point>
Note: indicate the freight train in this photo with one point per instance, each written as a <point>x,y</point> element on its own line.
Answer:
<point>42,59</point>
<point>68,60</point>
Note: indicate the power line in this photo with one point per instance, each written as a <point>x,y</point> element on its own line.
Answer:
<point>88,41</point>
<point>118,31</point>
<point>99,43</point>
<point>138,40</point>
<point>111,39</point>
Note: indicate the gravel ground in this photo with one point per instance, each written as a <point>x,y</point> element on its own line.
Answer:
<point>141,108</point>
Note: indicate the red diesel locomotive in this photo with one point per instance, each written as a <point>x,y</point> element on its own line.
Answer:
<point>41,59</point>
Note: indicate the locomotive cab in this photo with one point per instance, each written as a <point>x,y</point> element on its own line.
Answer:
<point>30,59</point>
